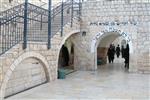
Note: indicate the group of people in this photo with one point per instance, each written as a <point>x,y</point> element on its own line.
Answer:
<point>124,51</point>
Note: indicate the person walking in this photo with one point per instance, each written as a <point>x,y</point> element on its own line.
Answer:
<point>126,56</point>
<point>122,51</point>
<point>118,51</point>
<point>113,52</point>
<point>110,54</point>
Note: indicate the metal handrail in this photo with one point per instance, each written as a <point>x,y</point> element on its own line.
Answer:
<point>11,24</point>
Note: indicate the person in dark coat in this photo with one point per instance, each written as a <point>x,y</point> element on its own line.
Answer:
<point>113,52</point>
<point>122,51</point>
<point>65,55</point>
<point>110,54</point>
<point>126,56</point>
<point>118,51</point>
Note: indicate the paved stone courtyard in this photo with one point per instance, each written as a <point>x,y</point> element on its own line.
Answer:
<point>109,82</point>
<point>86,28</point>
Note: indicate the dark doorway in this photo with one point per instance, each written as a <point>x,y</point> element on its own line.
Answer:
<point>64,57</point>
<point>66,61</point>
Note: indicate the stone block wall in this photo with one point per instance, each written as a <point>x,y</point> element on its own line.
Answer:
<point>16,58</point>
<point>30,72</point>
<point>137,16</point>
<point>82,55</point>
<point>98,13</point>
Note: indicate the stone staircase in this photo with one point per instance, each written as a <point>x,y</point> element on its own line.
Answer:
<point>36,49</point>
<point>5,4</point>
<point>51,55</point>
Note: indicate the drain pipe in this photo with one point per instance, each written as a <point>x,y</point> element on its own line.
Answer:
<point>72,13</point>
<point>25,25</point>
<point>62,17</point>
<point>49,25</point>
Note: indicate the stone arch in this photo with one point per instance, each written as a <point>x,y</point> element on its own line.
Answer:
<point>63,41</point>
<point>98,37</point>
<point>21,58</point>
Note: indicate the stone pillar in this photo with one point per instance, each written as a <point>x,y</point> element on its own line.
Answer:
<point>143,45</point>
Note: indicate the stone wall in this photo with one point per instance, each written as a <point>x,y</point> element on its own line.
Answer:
<point>82,55</point>
<point>27,74</point>
<point>49,58</point>
<point>130,18</point>
<point>99,20</point>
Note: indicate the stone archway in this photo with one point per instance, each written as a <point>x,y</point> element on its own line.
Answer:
<point>17,62</point>
<point>98,37</point>
<point>66,56</point>
<point>63,41</point>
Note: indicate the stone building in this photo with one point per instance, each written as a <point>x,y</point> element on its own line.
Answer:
<point>86,33</point>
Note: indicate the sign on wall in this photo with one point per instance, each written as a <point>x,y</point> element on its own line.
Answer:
<point>112,26</point>
<point>113,23</point>
<point>110,29</point>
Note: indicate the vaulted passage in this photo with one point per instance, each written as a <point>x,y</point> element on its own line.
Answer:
<point>66,57</point>
<point>105,55</point>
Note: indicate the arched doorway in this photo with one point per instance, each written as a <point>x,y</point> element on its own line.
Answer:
<point>104,44</point>
<point>63,57</point>
<point>66,57</point>
<point>102,47</point>
<point>104,39</point>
